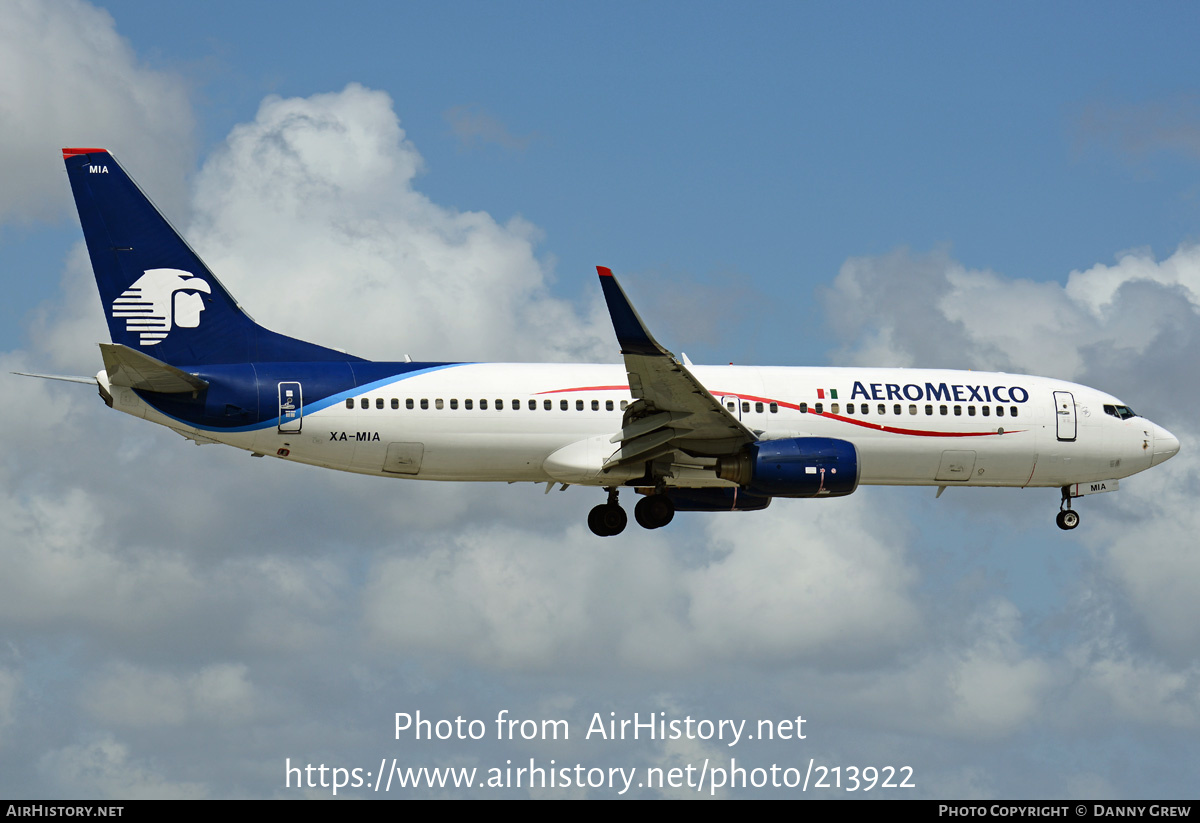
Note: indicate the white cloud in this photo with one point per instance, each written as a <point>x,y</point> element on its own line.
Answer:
<point>793,583</point>
<point>507,598</point>
<point>928,310</point>
<point>58,570</point>
<point>68,79</point>
<point>310,216</point>
<point>229,587</point>
<point>1139,690</point>
<point>803,580</point>
<point>10,683</point>
<point>104,768</point>
<point>1097,287</point>
<point>973,681</point>
<point>1130,328</point>
<point>135,696</point>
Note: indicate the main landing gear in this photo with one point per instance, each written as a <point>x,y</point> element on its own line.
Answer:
<point>1067,518</point>
<point>651,512</point>
<point>608,518</point>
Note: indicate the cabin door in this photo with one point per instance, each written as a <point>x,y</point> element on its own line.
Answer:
<point>1064,414</point>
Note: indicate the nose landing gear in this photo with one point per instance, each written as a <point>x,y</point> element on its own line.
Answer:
<point>1067,518</point>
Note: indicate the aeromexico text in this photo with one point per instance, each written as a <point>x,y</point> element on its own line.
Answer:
<point>950,392</point>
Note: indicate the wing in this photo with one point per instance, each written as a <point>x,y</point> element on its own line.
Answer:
<point>672,411</point>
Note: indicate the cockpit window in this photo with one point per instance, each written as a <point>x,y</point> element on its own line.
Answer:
<point>1120,412</point>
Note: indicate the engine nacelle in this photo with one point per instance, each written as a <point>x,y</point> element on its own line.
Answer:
<point>794,467</point>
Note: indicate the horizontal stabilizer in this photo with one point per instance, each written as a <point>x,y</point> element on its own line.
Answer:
<point>66,378</point>
<point>128,367</point>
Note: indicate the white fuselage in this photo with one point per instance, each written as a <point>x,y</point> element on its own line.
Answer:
<point>554,422</point>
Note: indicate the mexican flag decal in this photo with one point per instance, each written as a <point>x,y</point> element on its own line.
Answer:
<point>827,394</point>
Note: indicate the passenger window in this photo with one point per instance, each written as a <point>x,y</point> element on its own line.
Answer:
<point>349,402</point>
<point>745,407</point>
<point>516,405</point>
<point>820,408</point>
<point>595,405</point>
<point>363,403</point>
<point>958,411</point>
<point>986,410</point>
<point>758,407</point>
<point>379,402</point>
<point>578,405</point>
<point>562,404</point>
<point>533,405</point>
<point>408,403</point>
<point>896,409</point>
<point>499,404</point>
<point>804,408</point>
<point>424,403</point>
<point>883,409</point>
<point>548,404</point>
<point>999,411</point>
<point>943,410</point>
<point>849,408</point>
<point>774,408</point>
<point>912,409</point>
<point>483,403</point>
<point>468,404</point>
<point>1012,411</point>
<point>454,402</point>
<point>395,403</point>
<point>731,406</point>
<point>928,408</point>
<point>624,405</point>
<point>608,405</point>
<point>438,403</point>
<point>970,411</point>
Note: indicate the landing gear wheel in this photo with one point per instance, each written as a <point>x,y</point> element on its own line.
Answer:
<point>1067,519</point>
<point>607,519</point>
<point>654,511</point>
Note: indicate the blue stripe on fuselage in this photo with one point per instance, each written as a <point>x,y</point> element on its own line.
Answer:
<point>244,397</point>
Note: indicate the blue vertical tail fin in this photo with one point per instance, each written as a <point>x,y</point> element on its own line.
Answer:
<point>158,296</point>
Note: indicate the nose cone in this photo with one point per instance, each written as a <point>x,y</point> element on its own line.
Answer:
<point>1166,445</point>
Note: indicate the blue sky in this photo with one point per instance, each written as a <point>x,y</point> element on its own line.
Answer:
<point>767,144</point>
<point>1009,187</point>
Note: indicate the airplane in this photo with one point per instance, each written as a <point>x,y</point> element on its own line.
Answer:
<point>185,355</point>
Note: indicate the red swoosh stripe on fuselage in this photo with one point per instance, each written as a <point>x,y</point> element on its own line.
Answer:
<point>851,420</point>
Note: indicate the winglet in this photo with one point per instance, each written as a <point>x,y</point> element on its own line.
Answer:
<point>632,334</point>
